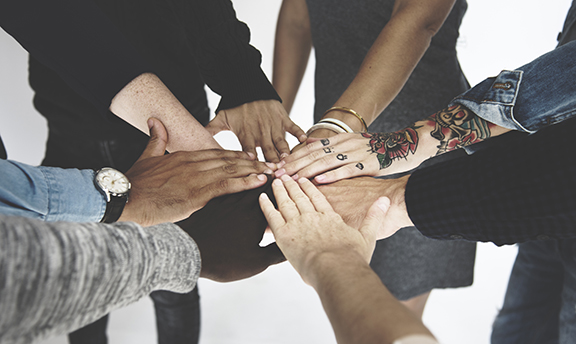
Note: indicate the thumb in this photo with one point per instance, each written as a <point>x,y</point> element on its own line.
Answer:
<point>216,125</point>
<point>158,139</point>
<point>374,221</point>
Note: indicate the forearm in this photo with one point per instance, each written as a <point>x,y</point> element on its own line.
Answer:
<point>49,193</point>
<point>292,47</point>
<point>360,308</point>
<point>392,58</point>
<point>452,128</point>
<point>57,277</point>
<point>145,97</point>
<point>519,190</point>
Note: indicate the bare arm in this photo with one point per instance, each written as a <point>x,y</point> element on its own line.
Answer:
<point>379,154</point>
<point>390,61</point>
<point>333,258</point>
<point>145,97</point>
<point>291,50</point>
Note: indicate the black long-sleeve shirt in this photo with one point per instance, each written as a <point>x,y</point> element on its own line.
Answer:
<point>522,190</point>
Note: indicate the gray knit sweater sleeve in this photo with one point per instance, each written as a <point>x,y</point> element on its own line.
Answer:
<point>58,276</point>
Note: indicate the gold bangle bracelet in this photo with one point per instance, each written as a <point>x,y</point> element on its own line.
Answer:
<point>350,111</point>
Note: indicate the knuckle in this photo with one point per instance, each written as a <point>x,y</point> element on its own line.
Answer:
<point>223,184</point>
<point>230,168</point>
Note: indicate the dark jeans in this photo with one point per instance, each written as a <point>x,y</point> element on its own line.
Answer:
<point>177,315</point>
<point>540,302</point>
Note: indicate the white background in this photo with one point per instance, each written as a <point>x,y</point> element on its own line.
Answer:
<point>276,307</point>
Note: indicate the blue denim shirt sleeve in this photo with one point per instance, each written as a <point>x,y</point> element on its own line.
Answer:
<point>49,193</point>
<point>534,96</point>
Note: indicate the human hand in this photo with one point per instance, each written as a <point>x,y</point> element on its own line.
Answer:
<point>351,198</point>
<point>307,229</point>
<point>228,231</point>
<point>261,123</point>
<point>364,154</point>
<point>314,136</point>
<point>168,188</point>
<point>341,156</point>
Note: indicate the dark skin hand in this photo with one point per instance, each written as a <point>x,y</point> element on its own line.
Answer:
<point>228,231</point>
<point>261,123</point>
<point>169,188</point>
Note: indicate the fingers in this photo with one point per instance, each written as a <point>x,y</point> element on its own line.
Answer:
<point>344,172</point>
<point>216,125</point>
<point>273,216</point>
<point>316,197</point>
<point>158,139</point>
<point>298,196</point>
<point>294,129</point>
<point>374,219</point>
<point>287,207</point>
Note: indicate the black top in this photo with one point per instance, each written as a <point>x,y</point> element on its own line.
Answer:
<point>187,42</point>
<point>74,38</point>
<point>523,190</point>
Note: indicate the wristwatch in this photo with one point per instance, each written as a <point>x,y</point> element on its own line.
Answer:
<point>115,187</point>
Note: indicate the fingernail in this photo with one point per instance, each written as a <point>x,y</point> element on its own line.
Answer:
<point>263,195</point>
<point>272,165</point>
<point>251,155</point>
<point>280,164</point>
<point>302,180</point>
<point>279,173</point>
<point>302,138</point>
<point>320,178</point>
<point>295,177</point>
<point>150,123</point>
<point>267,171</point>
<point>285,177</point>
<point>383,203</point>
<point>277,182</point>
<point>262,177</point>
<point>283,155</point>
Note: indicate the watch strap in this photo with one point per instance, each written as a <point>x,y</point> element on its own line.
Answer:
<point>114,208</point>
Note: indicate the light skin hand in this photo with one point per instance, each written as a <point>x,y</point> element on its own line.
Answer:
<point>351,198</point>
<point>306,227</point>
<point>380,154</point>
<point>169,188</point>
<point>261,123</point>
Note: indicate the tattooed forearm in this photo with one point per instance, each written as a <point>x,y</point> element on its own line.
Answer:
<point>456,127</point>
<point>392,146</point>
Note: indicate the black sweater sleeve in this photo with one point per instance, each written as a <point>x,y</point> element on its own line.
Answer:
<point>75,39</point>
<point>523,190</point>
<point>228,63</point>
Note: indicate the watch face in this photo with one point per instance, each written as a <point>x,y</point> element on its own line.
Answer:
<point>113,181</point>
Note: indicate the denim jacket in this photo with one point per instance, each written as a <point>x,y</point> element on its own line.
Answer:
<point>534,96</point>
<point>49,193</point>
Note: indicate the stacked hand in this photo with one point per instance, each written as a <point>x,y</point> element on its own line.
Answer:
<point>228,232</point>
<point>260,123</point>
<point>351,155</point>
<point>306,227</point>
<point>168,188</point>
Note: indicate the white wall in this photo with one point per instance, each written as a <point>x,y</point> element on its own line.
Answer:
<point>275,307</point>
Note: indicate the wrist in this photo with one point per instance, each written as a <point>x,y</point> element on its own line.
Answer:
<point>348,116</point>
<point>320,267</point>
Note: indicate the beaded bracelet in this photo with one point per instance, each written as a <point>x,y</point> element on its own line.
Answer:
<point>350,111</point>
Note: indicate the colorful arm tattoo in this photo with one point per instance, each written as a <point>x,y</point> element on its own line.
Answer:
<point>455,127</point>
<point>391,146</point>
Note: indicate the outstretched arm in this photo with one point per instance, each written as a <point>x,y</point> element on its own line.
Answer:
<point>379,154</point>
<point>390,61</point>
<point>333,258</point>
<point>292,47</point>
